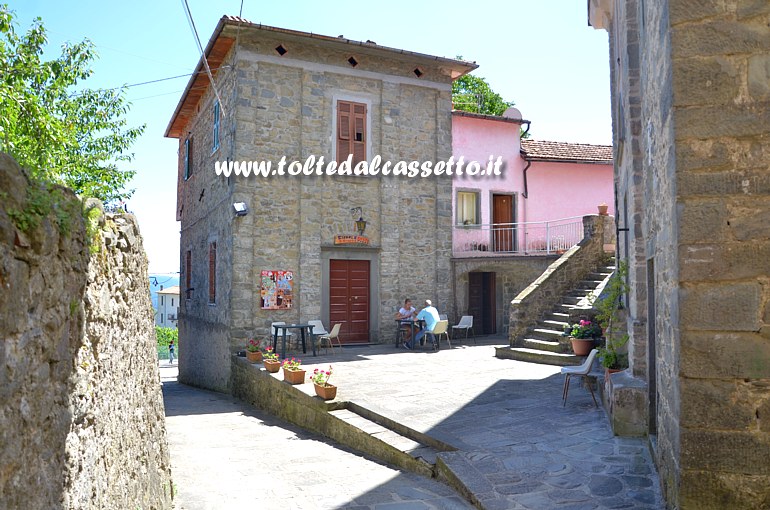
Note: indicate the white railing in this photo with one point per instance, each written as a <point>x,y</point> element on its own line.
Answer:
<point>531,238</point>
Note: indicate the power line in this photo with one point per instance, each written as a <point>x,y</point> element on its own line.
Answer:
<point>152,81</point>
<point>203,55</point>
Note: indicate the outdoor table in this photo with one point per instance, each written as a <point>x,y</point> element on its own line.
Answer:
<point>411,323</point>
<point>301,327</point>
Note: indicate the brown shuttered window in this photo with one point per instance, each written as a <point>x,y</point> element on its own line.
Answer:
<point>212,272</point>
<point>351,131</point>
<point>188,274</point>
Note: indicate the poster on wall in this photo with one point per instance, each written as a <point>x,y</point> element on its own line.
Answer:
<point>277,289</point>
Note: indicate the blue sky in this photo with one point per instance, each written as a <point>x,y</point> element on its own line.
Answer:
<point>540,54</point>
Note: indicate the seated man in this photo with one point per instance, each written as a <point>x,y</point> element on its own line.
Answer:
<point>429,314</point>
<point>406,314</point>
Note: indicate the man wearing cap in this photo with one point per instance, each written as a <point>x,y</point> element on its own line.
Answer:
<point>429,314</point>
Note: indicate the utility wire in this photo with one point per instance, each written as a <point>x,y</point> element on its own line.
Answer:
<point>149,82</point>
<point>203,55</point>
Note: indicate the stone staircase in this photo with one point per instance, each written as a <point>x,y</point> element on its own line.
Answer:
<point>545,342</point>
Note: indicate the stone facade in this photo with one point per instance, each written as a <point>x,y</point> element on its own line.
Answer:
<point>284,105</point>
<point>692,138</point>
<point>81,417</point>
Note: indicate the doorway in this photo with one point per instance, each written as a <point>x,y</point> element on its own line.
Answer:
<point>481,302</point>
<point>503,218</point>
<point>349,299</point>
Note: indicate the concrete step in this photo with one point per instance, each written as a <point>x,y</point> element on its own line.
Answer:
<point>554,324</point>
<point>541,345</point>
<point>599,275</point>
<point>588,284</point>
<point>557,316</point>
<point>537,356</point>
<point>547,333</point>
<point>416,449</point>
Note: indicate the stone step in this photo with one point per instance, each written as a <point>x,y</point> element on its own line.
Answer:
<point>557,316</point>
<point>537,356</point>
<point>554,324</point>
<point>541,345</point>
<point>599,275</point>
<point>588,284</point>
<point>547,333</point>
<point>411,447</point>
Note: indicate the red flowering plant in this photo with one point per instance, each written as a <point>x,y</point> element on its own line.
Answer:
<point>583,329</point>
<point>270,354</point>
<point>321,377</point>
<point>292,364</point>
<point>252,346</point>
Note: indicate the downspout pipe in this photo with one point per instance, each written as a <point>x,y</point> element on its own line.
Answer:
<point>524,155</point>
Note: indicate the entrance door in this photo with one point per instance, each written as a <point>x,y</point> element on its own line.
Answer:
<point>481,302</point>
<point>504,233</point>
<point>349,299</point>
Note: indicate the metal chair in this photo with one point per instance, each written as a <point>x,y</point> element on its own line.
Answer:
<point>330,337</point>
<point>466,323</point>
<point>583,370</point>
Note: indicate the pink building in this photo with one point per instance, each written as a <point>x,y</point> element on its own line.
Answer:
<point>508,228</point>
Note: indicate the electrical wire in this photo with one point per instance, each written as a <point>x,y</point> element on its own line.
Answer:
<point>203,55</point>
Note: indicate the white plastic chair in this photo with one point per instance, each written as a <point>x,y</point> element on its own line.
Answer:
<point>330,337</point>
<point>318,328</point>
<point>466,323</point>
<point>583,370</point>
<point>439,329</point>
<point>442,317</point>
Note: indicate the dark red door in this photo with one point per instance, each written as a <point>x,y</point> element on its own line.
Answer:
<point>482,303</point>
<point>502,223</point>
<point>349,299</point>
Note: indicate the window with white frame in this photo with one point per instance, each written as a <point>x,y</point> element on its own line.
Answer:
<point>467,208</point>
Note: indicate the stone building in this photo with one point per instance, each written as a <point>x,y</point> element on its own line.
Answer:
<point>293,250</point>
<point>691,109</point>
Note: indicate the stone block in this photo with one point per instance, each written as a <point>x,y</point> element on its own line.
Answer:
<point>749,219</point>
<point>759,77</point>
<point>706,490</point>
<point>682,11</point>
<point>718,37</point>
<point>725,307</point>
<point>706,81</point>
<point>715,404</point>
<point>702,221</point>
<point>710,355</point>
<point>726,261</point>
<point>722,121</point>
<point>725,451</point>
<point>751,8</point>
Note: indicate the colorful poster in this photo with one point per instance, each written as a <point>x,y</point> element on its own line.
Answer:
<point>277,289</point>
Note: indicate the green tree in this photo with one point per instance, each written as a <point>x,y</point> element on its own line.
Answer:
<point>59,134</point>
<point>473,94</point>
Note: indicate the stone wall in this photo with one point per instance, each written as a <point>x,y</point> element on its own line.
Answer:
<point>560,277</point>
<point>81,412</point>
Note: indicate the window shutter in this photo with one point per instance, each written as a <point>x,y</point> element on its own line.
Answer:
<point>359,133</point>
<point>213,272</point>
<point>351,131</point>
<point>187,273</point>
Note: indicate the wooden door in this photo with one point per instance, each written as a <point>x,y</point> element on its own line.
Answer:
<point>349,299</point>
<point>481,302</point>
<point>503,232</point>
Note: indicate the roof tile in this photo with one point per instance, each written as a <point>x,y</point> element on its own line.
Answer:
<point>538,150</point>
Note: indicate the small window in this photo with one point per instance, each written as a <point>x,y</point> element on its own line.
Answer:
<point>351,131</point>
<point>161,318</point>
<point>467,208</point>
<point>187,158</point>
<point>212,273</point>
<point>216,126</point>
<point>162,301</point>
<point>172,302</point>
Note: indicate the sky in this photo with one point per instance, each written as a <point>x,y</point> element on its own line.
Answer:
<point>540,54</point>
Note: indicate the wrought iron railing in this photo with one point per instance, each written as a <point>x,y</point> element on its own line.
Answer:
<point>530,238</point>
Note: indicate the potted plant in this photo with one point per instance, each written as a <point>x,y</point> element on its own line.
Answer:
<point>608,315</point>
<point>271,361</point>
<point>582,335</point>
<point>253,353</point>
<point>602,209</point>
<point>292,371</point>
<point>320,380</point>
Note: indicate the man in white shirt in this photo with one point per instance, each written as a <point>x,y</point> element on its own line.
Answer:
<point>429,314</point>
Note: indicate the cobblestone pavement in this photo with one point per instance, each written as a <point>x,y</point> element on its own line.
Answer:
<point>226,455</point>
<point>518,448</point>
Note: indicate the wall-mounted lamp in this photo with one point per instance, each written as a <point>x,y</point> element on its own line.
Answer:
<point>241,209</point>
<point>360,223</point>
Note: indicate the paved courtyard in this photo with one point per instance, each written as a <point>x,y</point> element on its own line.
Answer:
<point>518,448</point>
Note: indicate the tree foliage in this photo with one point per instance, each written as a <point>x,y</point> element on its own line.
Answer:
<point>59,134</point>
<point>473,94</point>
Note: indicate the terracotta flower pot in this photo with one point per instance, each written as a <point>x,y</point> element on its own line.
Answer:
<point>582,346</point>
<point>254,357</point>
<point>327,392</point>
<point>294,376</point>
<point>272,365</point>
<point>602,209</point>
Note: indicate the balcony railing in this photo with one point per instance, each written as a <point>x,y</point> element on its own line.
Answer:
<point>503,239</point>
